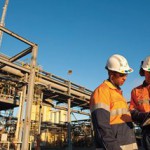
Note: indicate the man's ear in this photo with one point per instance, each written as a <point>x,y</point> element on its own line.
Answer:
<point>141,71</point>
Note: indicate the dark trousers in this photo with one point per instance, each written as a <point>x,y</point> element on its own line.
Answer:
<point>146,139</point>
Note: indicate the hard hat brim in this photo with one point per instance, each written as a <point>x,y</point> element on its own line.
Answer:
<point>130,70</point>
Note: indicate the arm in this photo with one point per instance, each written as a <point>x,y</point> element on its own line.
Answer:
<point>101,119</point>
<point>139,117</point>
<point>100,111</point>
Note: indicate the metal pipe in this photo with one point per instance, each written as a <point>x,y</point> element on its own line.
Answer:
<point>60,84</point>
<point>69,118</point>
<point>18,116</point>
<point>15,66</point>
<point>17,70</point>
<point>13,71</point>
<point>40,114</point>
<point>45,82</point>
<point>18,121</point>
<point>63,88</point>
<point>22,111</point>
<point>69,125</point>
<point>27,123</point>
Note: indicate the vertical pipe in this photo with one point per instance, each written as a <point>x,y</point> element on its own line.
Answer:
<point>40,119</point>
<point>22,112</point>
<point>69,120</point>
<point>27,123</point>
<point>18,121</point>
<point>18,116</point>
<point>69,125</point>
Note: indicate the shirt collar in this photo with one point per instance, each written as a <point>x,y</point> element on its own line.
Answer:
<point>112,86</point>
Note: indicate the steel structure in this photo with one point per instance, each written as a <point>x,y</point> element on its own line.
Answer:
<point>28,83</point>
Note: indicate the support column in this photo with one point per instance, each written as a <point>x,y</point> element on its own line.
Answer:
<point>27,123</point>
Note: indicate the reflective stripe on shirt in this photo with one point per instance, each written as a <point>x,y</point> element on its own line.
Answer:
<point>115,112</point>
<point>146,101</point>
<point>119,111</point>
<point>100,105</point>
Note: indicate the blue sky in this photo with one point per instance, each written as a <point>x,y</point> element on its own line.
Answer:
<point>80,35</point>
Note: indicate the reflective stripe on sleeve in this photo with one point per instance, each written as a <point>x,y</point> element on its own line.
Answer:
<point>132,146</point>
<point>119,111</point>
<point>100,105</point>
<point>146,101</point>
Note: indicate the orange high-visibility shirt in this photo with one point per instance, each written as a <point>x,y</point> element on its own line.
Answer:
<point>112,101</point>
<point>140,98</point>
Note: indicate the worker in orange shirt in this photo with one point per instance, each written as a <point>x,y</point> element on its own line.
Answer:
<point>140,103</point>
<point>109,110</point>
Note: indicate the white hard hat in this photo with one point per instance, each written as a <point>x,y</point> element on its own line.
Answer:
<point>119,64</point>
<point>146,64</point>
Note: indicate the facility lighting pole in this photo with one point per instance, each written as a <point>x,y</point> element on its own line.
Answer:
<point>27,122</point>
